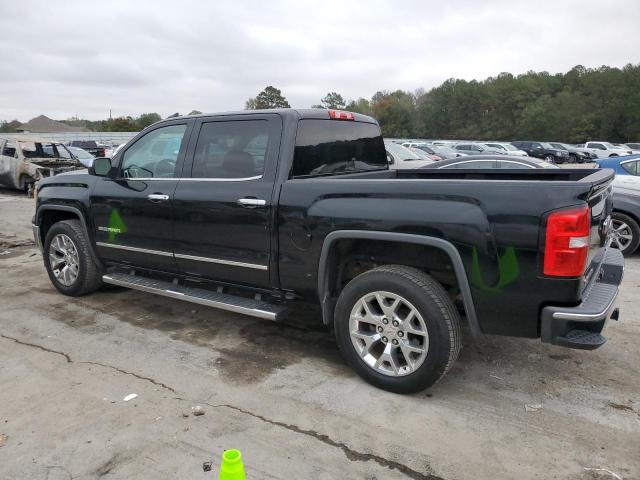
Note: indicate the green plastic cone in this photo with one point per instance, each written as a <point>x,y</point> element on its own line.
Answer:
<point>232,467</point>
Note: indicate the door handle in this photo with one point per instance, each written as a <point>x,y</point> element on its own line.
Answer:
<point>252,202</point>
<point>158,197</point>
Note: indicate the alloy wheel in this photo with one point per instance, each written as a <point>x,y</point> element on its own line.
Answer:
<point>64,259</point>
<point>622,235</point>
<point>388,333</point>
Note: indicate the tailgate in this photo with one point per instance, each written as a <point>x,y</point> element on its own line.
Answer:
<point>600,202</point>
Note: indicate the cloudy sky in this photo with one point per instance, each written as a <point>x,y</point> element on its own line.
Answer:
<point>67,58</point>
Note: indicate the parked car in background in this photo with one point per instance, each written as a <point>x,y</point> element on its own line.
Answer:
<point>626,146</point>
<point>25,160</point>
<point>542,150</point>
<point>633,146</point>
<point>472,148</point>
<point>425,147</point>
<point>84,157</point>
<point>575,155</point>
<point>580,147</point>
<point>507,147</point>
<point>492,161</point>
<point>446,152</point>
<point>606,149</point>
<point>623,166</point>
<point>424,155</point>
<point>401,158</point>
<point>626,214</point>
<point>90,146</point>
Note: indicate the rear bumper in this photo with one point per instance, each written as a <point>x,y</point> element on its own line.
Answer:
<point>559,324</point>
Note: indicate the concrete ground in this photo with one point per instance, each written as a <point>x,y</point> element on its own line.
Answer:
<point>283,396</point>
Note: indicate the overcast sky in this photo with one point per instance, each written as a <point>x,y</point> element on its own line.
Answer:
<point>66,58</point>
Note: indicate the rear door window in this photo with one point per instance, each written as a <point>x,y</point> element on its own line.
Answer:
<point>329,147</point>
<point>233,149</point>
<point>631,167</point>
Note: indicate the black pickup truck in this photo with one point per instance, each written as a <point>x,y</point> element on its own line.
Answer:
<point>255,211</point>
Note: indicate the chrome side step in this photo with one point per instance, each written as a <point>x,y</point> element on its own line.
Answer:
<point>223,301</point>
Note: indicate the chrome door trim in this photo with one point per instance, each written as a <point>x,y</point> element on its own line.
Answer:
<point>185,257</point>
<point>135,249</point>
<point>220,261</point>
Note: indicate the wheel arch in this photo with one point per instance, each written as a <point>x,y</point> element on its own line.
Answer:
<point>48,215</point>
<point>328,267</point>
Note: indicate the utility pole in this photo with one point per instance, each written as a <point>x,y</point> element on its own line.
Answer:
<point>109,114</point>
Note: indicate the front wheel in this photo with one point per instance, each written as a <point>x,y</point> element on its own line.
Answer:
<point>550,158</point>
<point>626,233</point>
<point>68,259</point>
<point>397,328</point>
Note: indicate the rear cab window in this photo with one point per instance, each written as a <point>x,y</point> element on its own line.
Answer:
<point>332,147</point>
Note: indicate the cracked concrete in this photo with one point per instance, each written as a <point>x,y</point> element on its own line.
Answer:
<point>282,395</point>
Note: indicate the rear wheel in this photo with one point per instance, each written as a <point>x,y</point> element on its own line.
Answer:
<point>397,328</point>
<point>626,233</point>
<point>68,259</point>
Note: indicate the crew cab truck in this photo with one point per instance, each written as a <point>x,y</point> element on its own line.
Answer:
<point>250,211</point>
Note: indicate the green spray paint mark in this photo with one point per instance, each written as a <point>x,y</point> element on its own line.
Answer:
<point>116,225</point>
<point>507,267</point>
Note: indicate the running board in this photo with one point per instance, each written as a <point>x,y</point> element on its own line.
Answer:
<point>223,301</point>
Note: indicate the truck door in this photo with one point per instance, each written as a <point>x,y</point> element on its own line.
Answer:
<point>133,213</point>
<point>223,202</point>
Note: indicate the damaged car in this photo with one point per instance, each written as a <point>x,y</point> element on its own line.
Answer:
<point>24,161</point>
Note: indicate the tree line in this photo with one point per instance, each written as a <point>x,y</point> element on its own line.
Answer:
<point>583,103</point>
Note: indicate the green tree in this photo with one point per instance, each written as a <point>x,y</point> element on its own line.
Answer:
<point>270,97</point>
<point>9,127</point>
<point>146,119</point>
<point>332,100</point>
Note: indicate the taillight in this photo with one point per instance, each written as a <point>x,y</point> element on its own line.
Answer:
<point>341,115</point>
<point>567,242</point>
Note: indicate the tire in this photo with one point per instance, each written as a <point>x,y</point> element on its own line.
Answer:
<point>625,225</point>
<point>69,236</point>
<point>550,158</point>
<point>436,316</point>
<point>573,159</point>
<point>613,155</point>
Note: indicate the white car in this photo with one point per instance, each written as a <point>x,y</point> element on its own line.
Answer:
<point>507,147</point>
<point>606,149</point>
<point>401,158</point>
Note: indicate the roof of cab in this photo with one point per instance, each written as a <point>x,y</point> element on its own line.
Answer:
<point>304,113</point>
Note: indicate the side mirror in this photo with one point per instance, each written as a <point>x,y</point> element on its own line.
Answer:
<point>389,159</point>
<point>100,167</point>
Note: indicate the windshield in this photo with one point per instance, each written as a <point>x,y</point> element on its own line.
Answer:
<point>609,145</point>
<point>399,152</point>
<point>546,145</point>
<point>509,147</point>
